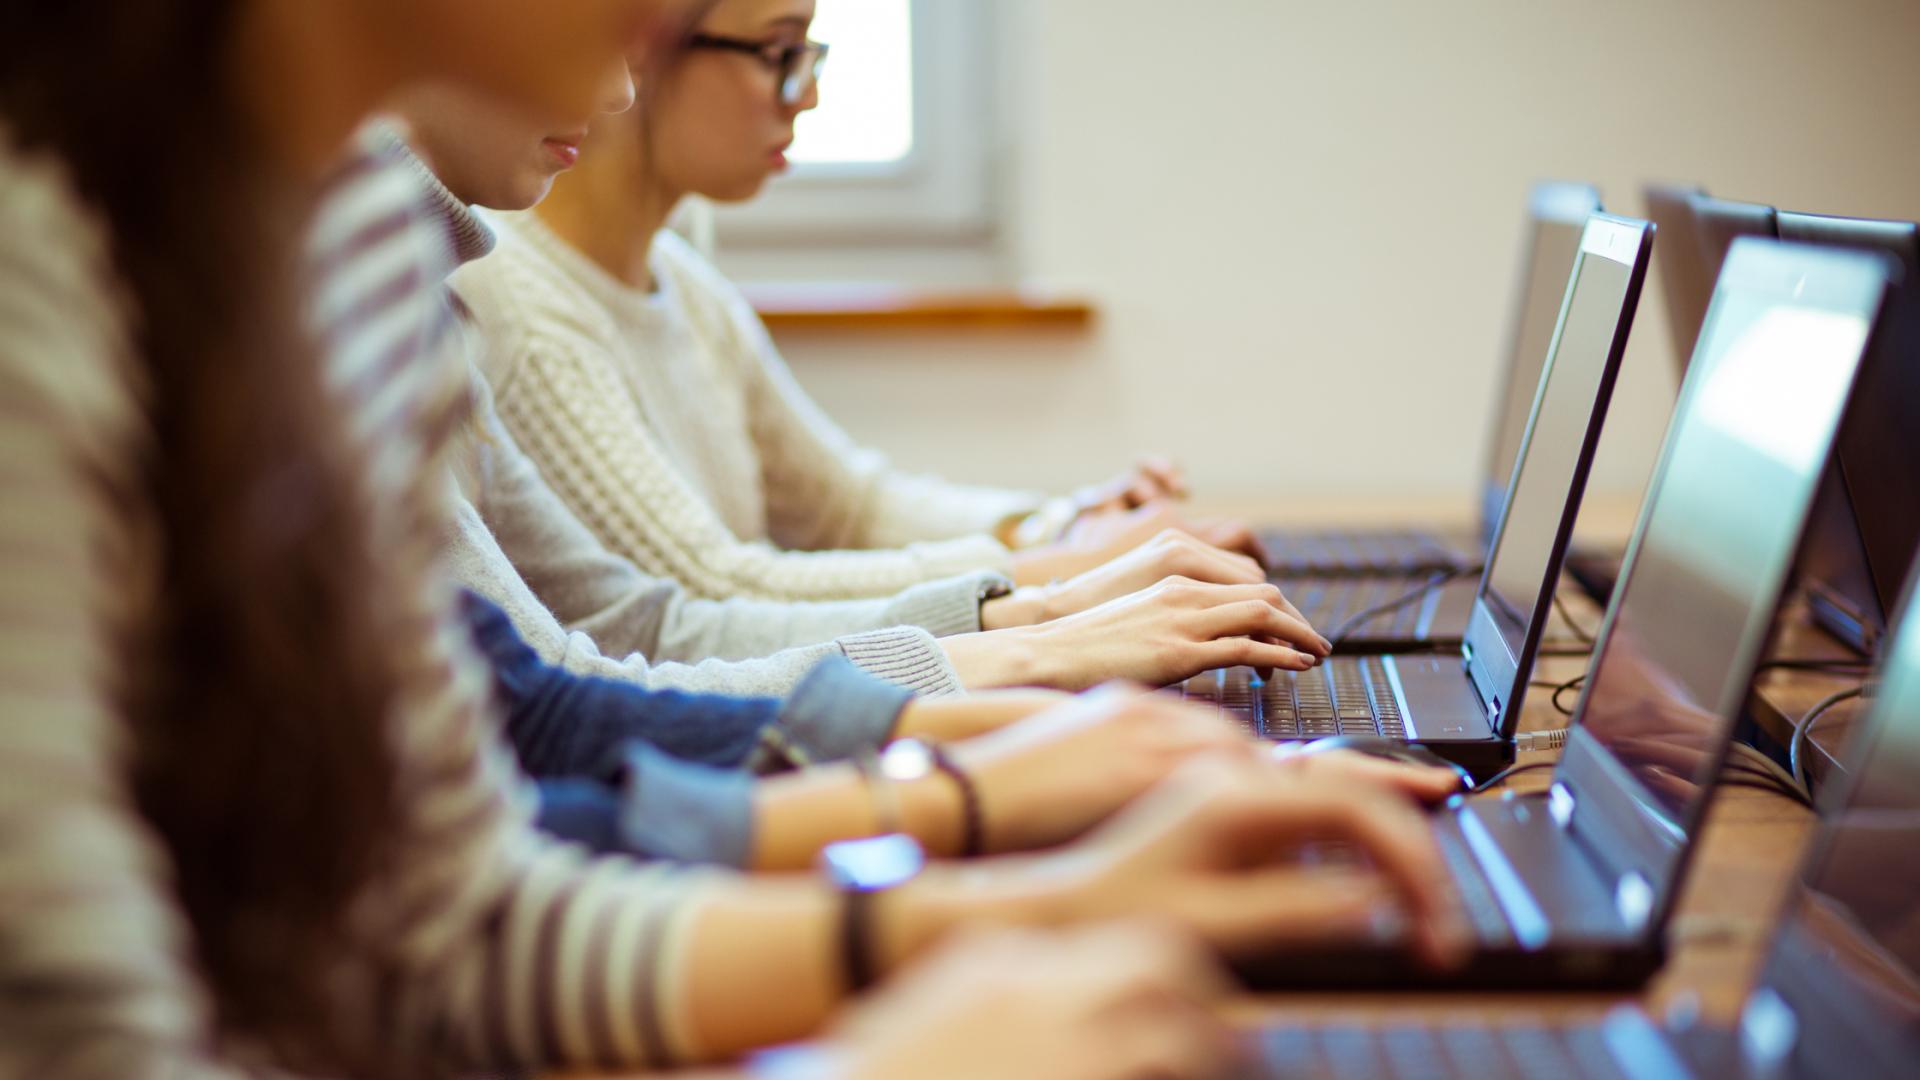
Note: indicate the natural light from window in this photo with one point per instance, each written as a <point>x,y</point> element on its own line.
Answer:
<point>866,91</point>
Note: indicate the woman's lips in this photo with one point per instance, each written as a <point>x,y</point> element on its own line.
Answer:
<point>566,153</point>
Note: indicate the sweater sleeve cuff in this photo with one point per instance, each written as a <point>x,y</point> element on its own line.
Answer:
<point>949,606</point>
<point>683,812</point>
<point>944,558</point>
<point>839,710</point>
<point>905,656</point>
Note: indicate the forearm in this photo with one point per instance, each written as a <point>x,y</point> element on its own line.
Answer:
<point>764,964</point>
<point>950,720</point>
<point>797,814</point>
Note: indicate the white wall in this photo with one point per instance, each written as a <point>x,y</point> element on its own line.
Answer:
<point>1287,208</point>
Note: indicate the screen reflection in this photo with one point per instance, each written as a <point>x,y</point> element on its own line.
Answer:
<point>1718,542</point>
<point>1860,905</point>
<point>1517,582</point>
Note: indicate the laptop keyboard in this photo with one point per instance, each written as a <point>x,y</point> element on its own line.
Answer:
<point>1330,603</point>
<point>1337,552</point>
<point>1444,1051</point>
<point>1347,695</point>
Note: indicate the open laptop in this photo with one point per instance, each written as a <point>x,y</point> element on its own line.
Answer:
<point>1557,215</point>
<point>1837,998</point>
<point>1464,706</point>
<point>1573,887</point>
<point>1866,520</point>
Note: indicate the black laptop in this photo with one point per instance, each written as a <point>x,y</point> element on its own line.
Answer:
<point>1572,887</point>
<point>1459,705</point>
<point>1335,574</point>
<point>1838,997</point>
<point>1867,519</point>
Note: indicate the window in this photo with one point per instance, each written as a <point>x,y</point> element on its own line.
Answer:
<point>865,118</point>
<point>898,154</point>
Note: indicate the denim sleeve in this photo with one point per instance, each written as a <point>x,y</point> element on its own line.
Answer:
<point>837,710</point>
<point>567,725</point>
<point>662,808</point>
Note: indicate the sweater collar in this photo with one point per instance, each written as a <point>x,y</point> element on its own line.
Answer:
<point>468,237</point>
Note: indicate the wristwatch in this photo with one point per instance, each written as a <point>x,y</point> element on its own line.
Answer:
<point>907,760</point>
<point>861,869</point>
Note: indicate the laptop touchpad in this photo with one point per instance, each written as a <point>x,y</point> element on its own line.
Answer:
<point>1441,703</point>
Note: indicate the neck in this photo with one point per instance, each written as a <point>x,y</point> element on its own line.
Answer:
<point>308,76</point>
<point>609,208</point>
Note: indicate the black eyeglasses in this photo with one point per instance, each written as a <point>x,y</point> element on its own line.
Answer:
<point>797,65</point>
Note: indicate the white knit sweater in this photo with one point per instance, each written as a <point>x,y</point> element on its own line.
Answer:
<point>668,423</point>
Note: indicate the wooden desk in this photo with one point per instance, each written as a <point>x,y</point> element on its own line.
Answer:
<point>1750,851</point>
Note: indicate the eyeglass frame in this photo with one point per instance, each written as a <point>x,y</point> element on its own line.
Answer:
<point>786,61</point>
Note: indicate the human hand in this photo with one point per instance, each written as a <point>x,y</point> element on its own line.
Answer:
<point>1111,1002</point>
<point>1101,536</point>
<point>1052,776</point>
<point>1208,848</point>
<point>1153,477</point>
<point>1170,553</point>
<point>1157,636</point>
<point>1428,784</point>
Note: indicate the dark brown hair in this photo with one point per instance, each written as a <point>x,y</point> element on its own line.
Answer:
<point>257,681</point>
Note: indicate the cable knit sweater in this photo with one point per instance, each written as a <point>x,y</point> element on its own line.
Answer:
<point>669,424</point>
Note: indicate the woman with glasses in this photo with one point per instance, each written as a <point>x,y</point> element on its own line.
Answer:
<point>654,403</point>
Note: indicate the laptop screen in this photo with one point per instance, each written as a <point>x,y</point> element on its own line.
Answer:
<point>1559,217</point>
<point>1563,428</point>
<point>1723,519</point>
<point>1846,968</point>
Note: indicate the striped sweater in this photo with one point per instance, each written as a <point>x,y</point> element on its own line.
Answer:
<point>485,946</point>
<point>670,426</point>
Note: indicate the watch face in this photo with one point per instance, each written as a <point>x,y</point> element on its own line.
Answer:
<point>880,862</point>
<point>907,760</point>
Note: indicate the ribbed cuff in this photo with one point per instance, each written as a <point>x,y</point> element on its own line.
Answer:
<point>683,812</point>
<point>949,606</point>
<point>945,558</point>
<point>905,656</point>
<point>839,710</point>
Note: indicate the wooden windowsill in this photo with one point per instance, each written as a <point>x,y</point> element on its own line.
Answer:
<point>860,306</point>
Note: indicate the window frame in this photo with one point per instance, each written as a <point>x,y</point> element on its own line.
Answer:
<point>942,192</point>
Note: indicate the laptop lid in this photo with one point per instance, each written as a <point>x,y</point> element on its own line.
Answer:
<point>1867,521</point>
<point>1717,223</point>
<point>1685,282</point>
<point>1563,428</point>
<point>1717,536</point>
<point>1557,213</point>
<point>1839,996</point>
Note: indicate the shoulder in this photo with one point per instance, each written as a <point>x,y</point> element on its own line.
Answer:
<point>526,303</point>
<point>713,305</point>
<point>65,343</point>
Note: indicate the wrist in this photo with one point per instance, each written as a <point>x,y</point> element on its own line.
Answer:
<point>1023,607</point>
<point>931,811</point>
<point>999,891</point>
<point>1002,658</point>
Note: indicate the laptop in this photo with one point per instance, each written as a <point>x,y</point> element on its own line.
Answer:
<point>1866,521</point>
<point>1457,705</point>
<point>1837,998</point>
<point>1397,560</point>
<point>1573,887</point>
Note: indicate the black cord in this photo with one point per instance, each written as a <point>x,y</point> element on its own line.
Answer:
<point>1803,731</point>
<point>1508,773</point>
<point>1560,606</point>
<point>1767,783</point>
<point>1836,666</point>
<point>1588,651</point>
<point>1365,615</point>
<point>1571,684</point>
